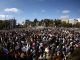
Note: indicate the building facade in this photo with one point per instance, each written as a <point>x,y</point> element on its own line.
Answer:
<point>73,21</point>
<point>65,20</point>
<point>12,23</point>
<point>8,24</point>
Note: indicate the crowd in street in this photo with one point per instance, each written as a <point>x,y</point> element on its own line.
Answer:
<point>38,44</point>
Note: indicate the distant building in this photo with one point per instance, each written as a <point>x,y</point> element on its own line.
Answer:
<point>8,24</point>
<point>73,21</point>
<point>65,20</point>
<point>12,23</point>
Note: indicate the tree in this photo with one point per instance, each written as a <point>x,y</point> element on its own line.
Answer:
<point>57,22</point>
<point>35,22</point>
<point>1,24</point>
<point>27,23</point>
<point>4,24</point>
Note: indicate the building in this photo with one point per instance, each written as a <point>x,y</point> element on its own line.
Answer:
<point>73,21</point>
<point>12,23</point>
<point>8,24</point>
<point>65,20</point>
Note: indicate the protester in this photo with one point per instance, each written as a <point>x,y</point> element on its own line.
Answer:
<point>38,44</point>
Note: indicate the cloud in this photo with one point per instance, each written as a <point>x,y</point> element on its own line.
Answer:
<point>65,11</point>
<point>11,10</point>
<point>65,16</point>
<point>3,17</point>
<point>78,19</point>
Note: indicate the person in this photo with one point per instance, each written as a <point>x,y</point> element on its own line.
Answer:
<point>45,43</point>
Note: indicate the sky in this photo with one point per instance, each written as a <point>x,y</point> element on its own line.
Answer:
<point>40,9</point>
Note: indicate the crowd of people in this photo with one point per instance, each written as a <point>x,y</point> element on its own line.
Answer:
<point>38,44</point>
